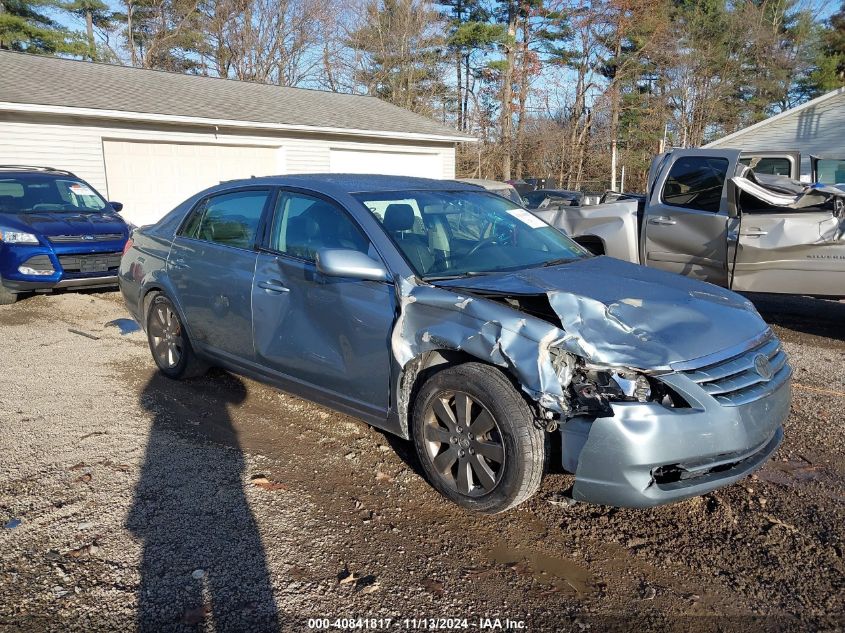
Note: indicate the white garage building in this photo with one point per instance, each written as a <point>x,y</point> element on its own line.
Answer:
<point>812,128</point>
<point>150,139</point>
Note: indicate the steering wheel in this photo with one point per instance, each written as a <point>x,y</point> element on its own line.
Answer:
<point>487,241</point>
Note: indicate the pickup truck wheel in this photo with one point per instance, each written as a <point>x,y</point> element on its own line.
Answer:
<point>477,440</point>
<point>7,297</point>
<point>169,342</point>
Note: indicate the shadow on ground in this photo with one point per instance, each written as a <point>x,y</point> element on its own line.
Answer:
<point>818,317</point>
<point>203,559</point>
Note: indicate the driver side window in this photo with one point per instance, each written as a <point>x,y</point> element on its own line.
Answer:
<point>696,182</point>
<point>304,224</point>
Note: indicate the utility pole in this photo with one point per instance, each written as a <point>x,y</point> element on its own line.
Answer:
<point>506,116</point>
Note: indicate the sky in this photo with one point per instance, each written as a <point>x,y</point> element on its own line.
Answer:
<point>822,9</point>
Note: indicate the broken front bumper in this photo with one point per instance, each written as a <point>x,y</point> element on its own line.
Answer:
<point>648,454</point>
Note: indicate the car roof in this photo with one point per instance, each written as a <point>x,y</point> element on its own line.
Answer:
<point>354,183</point>
<point>493,185</point>
<point>558,191</point>
<point>17,169</point>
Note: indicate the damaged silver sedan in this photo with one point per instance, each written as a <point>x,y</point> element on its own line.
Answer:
<point>452,317</point>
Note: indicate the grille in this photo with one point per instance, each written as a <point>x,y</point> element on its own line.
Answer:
<point>737,381</point>
<point>94,263</point>
<point>39,262</point>
<point>85,239</point>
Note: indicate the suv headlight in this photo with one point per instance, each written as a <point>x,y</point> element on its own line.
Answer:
<point>17,237</point>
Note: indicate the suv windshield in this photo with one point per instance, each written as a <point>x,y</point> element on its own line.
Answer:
<point>456,233</point>
<point>33,193</point>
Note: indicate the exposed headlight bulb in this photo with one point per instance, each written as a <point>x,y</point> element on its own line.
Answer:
<point>642,389</point>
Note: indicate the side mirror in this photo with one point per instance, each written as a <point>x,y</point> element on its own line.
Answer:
<point>117,206</point>
<point>344,262</point>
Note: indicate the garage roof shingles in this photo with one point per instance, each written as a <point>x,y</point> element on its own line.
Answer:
<point>50,81</point>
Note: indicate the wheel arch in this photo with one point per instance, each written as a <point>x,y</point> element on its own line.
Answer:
<point>425,365</point>
<point>149,293</point>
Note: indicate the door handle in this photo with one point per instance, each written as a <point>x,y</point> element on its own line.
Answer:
<point>662,220</point>
<point>273,285</point>
<point>754,233</point>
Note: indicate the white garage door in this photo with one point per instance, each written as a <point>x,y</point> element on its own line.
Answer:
<point>152,178</point>
<point>354,161</point>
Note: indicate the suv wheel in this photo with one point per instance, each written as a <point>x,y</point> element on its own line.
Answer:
<point>477,439</point>
<point>7,297</point>
<point>169,342</point>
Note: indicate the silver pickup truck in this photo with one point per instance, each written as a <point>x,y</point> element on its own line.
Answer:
<point>737,219</point>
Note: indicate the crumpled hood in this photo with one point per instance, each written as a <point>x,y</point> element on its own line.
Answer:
<point>619,313</point>
<point>47,223</point>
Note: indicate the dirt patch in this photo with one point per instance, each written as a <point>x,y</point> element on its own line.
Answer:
<point>136,497</point>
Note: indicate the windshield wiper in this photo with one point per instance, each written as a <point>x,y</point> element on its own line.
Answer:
<point>471,273</point>
<point>557,262</point>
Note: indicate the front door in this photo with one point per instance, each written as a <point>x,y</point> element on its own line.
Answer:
<point>685,227</point>
<point>211,265</point>
<point>329,334</point>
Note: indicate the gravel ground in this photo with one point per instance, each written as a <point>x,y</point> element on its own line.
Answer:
<point>132,501</point>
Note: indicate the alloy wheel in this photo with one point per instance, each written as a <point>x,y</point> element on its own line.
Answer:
<point>464,443</point>
<point>166,335</point>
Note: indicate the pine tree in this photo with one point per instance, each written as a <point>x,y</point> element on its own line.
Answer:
<point>24,26</point>
<point>401,54</point>
<point>96,14</point>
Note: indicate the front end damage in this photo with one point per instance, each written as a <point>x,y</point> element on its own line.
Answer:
<point>609,369</point>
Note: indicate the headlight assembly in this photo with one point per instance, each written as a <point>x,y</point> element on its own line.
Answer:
<point>594,387</point>
<point>17,237</point>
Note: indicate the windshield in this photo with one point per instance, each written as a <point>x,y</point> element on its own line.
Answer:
<point>511,194</point>
<point>447,234</point>
<point>33,193</point>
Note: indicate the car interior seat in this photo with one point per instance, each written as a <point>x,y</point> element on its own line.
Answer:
<point>9,203</point>
<point>301,235</point>
<point>39,196</point>
<point>398,220</point>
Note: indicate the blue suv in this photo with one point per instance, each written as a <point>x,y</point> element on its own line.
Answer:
<point>56,231</point>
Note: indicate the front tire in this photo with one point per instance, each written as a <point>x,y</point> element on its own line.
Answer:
<point>169,343</point>
<point>477,439</point>
<point>7,297</point>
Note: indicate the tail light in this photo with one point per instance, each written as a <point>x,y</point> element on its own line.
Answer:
<point>128,245</point>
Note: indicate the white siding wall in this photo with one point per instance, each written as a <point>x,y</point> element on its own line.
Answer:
<point>817,129</point>
<point>76,144</point>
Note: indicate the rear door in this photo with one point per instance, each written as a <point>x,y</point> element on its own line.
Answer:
<point>793,251</point>
<point>211,266</point>
<point>685,227</point>
<point>776,162</point>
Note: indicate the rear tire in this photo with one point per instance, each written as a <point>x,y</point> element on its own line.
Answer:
<point>169,343</point>
<point>477,439</point>
<point>7,297</point>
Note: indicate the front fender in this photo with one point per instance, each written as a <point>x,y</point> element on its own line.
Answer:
<point>432,319</point>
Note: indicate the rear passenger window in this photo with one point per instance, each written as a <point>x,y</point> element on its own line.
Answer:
<point>696,182</point>
<point>774,165</point>
<point>230,219</point>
